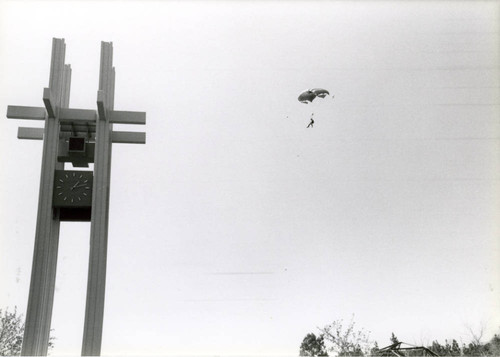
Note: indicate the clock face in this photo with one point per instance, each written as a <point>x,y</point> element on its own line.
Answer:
<point>73,188</point>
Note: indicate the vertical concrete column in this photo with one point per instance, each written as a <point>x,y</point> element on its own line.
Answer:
<point>94,309</point>
<point>43,273</point>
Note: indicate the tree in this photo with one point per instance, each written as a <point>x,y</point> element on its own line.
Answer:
<point>494,346</point>
<point>476,347</point>
<point>11,333</point>
<point>454,349</point>
<point>375,349</point>
<point>439,349</point>
<point>313,346</point>
<point>345,340</point>
<point>476,334</point>
<point>394,339</point>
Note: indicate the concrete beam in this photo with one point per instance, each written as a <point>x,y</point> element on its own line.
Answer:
<point>23,112</point>
<point>96,283</point>
<point>43,273</point>
<point>82,115</point>
<point>50,103</point>
<point>101,104</point>
<point>128,137</point>
<point>30,133</point>
<point>124,117</point>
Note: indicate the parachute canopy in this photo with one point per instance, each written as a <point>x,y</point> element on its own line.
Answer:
<point>308,95</point>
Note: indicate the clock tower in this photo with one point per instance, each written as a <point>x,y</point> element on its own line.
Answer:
<point>76,137</point>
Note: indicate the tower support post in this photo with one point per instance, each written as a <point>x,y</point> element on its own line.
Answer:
<point>43,273</point>
<point>64,126</point>
<point>94,309</point>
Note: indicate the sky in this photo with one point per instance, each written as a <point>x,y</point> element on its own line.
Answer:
<point>236,230</point>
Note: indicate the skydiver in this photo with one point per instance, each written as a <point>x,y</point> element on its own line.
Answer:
<point>311,124</point>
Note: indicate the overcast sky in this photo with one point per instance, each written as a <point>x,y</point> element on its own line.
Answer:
<point>236,230</point>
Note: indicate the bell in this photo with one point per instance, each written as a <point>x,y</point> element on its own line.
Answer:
<point>76,144</point>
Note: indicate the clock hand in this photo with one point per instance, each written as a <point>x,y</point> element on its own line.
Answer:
<point>76,184</point>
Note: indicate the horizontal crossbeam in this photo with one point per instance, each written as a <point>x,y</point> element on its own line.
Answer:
<point>67,115</point>
<point>70,114</point>
<point>30,133</point>
<point>118,137</point>
<point>23,112</point>
<point>76,126</point>
<point>80,133</point>
<point>123,117</point>
<point>128,137</point>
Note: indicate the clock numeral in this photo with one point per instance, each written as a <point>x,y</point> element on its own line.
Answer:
<point>60,193</point>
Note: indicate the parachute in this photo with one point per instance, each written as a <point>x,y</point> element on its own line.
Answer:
<point>308,95</point>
